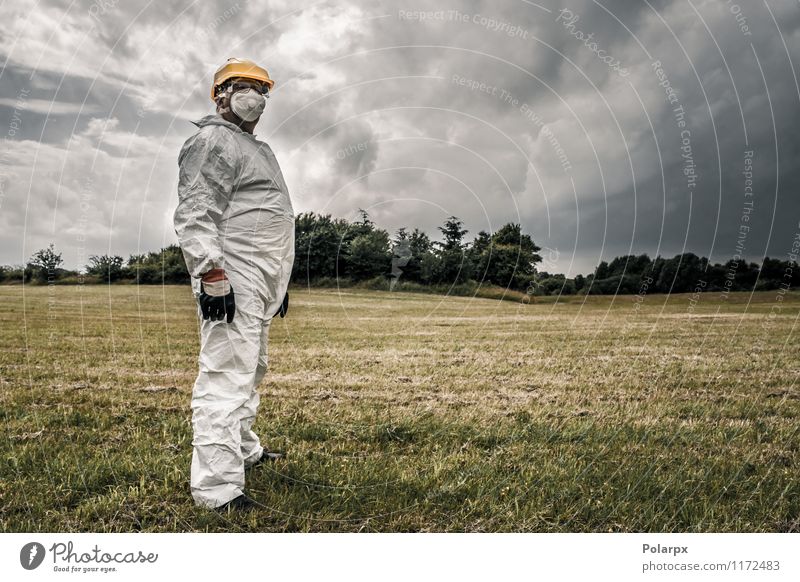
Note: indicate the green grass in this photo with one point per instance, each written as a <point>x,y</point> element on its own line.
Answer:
<point>411,412</point>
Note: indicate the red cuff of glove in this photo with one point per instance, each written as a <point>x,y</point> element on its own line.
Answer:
<point>215,283</point>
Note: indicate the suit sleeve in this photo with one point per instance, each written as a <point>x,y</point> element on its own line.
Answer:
<point>207,172</point>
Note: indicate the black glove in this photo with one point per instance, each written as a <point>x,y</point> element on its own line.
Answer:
<point>216,306</point>
<point>284,308</point>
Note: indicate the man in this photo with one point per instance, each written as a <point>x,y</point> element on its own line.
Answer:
<point>235,224</point>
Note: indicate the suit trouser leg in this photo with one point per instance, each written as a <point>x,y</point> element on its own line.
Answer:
<point>224,401</point>
<point>251,444</point>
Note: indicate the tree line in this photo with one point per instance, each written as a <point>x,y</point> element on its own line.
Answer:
<point>336,252</point>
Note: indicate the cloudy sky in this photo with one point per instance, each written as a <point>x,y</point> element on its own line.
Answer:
<point>603,127</point>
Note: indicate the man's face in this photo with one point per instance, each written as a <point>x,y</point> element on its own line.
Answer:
<point>238,84</point>
<point>224,102</point>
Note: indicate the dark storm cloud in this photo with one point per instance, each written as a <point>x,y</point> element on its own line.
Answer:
<point>539,113</point>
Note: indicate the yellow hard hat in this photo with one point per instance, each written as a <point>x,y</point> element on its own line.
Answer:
<point>244,68</point>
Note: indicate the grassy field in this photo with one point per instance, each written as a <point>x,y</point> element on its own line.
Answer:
<point>406,412</point>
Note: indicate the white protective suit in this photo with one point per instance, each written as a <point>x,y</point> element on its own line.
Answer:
<point>234,213</point>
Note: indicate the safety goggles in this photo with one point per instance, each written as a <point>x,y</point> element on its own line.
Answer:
<point>244,85</point>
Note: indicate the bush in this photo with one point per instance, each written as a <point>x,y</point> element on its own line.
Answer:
<point>165,266</point>
<point>45,264</point>
<point>15,274</point>
<point>368,256</point>
<point>106,267</point>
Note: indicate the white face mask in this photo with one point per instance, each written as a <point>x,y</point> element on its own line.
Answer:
<point>249,104</point>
